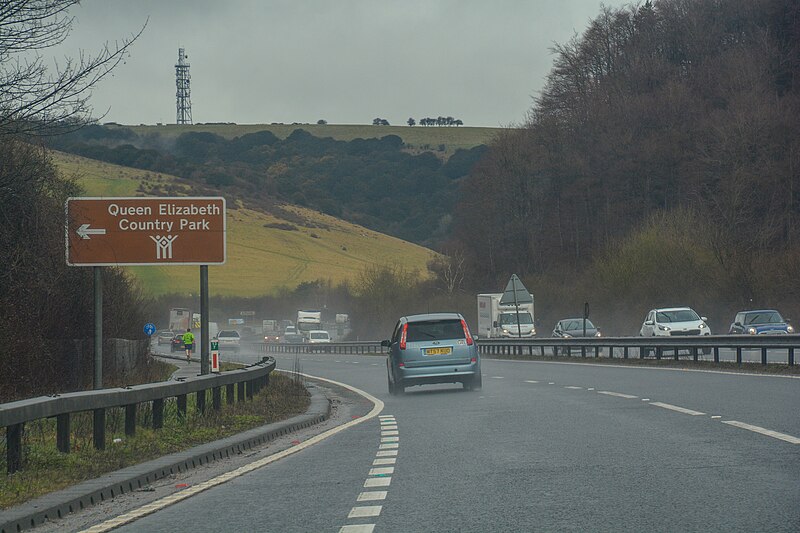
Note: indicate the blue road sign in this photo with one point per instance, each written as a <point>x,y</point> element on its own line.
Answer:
<point>149,328</point>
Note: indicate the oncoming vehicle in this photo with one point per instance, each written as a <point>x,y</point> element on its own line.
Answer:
<point>165,337</point>
<point>432,348</point>
<point>229,340</point>
<point>674,321</point>
<point>763,322</point>
<point>318,336</point>
<point>573,327</point>
<point>293,338</point>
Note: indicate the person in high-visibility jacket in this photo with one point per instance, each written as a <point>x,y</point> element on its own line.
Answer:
<point>188,343</point>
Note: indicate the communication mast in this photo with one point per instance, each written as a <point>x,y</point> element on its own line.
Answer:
<point>182,77</point>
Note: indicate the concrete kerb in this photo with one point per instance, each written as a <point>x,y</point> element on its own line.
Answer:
<point>63,502</point>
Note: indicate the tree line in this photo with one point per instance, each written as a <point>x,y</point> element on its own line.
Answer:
<point>659,165</point>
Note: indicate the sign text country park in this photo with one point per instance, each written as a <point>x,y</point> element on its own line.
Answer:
<point>145,231</point>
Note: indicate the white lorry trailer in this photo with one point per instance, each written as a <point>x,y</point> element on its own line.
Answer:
<point>307,321</point>
<point>495,320</point>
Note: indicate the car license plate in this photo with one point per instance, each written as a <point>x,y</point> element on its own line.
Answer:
<point>438,351</point>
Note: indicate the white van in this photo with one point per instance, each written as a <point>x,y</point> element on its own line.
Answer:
<point>318,336</point>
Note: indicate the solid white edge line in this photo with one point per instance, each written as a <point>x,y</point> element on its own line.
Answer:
<point>763,431</point>
<point>625,367</point>
<point>135,514</point>
<point>677,408</point>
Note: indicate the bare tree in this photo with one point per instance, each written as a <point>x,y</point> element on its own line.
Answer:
<point>35,100</point>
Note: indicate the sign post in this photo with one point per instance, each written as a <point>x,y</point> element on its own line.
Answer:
<point>516,294</point>
<point>126,231</point>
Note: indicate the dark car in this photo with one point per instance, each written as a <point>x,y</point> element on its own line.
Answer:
<point>573,327</point>
<point>761,322</point>
<point>292,338</point>
<point>432,348</point>
<point>177,343</point>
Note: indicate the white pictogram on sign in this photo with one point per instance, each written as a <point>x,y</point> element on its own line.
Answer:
<point>164,246</point>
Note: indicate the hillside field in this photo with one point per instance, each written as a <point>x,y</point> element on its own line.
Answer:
<point>261,260</point>
<point>416,137</point>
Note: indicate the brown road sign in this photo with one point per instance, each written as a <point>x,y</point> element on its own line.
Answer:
<point>145,231</point>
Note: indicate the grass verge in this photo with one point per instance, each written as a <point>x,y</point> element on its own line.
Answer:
<point>46,470</point>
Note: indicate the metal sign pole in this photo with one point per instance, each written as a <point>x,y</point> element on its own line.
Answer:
<point>204,367</point>
<point>98,327</point>
<point>516,306</point>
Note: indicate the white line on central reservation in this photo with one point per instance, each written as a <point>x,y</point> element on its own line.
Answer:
<point>152,507</point>
<point>676,408</point>
<point>763,431</point>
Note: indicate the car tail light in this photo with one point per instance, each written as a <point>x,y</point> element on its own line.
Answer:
<point>466,332</point>
<point>403,336</point>
<point>474,360</point>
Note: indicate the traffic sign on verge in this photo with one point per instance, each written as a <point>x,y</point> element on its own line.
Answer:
<point>515,293</point>
<point>149,328</point>
<point>145,231</point>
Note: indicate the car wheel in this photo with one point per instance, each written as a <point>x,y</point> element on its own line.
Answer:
<point>477,382</point>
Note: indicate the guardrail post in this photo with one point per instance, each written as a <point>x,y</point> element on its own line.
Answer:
<point>716,354</point>
<point>791,355</point>
<point>596,352</point>
<point>738,355</point>
<point>14,448</point>
<point>624,352</point>
<point>240,391</point>
<point>181,401</point>
<point>694,353</point>
<point>249,390</point>
<point>158,413</point>
<point>62,432</point>
<point>217,398</point>
<point>130,419</point>
<point>764,355</point>
<point>611,352</point>
<point>230,393</point>
<point>675,355</point>
<point>583,351</point>
<point>99,429</point>
<point>201,401</point>
<point>658,353</point>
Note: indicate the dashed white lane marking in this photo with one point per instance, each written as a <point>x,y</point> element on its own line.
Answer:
<point>498,377</point>
<point>590,388</point>
<point>617,394</point>
<point>360,528</point>
<point>372,496</point>
<point>389,433</point>
<point>763,431</point>
<point>530,381</point>
<point>385,416</point>
<point>715,417</point>
<point>131,516</point>
<point>390,439</point>
<point>377,482</point>
<point>573,387</point>
<point>374,364</point>
<point>384,461</point>
<point>388,427</point>
<point>386,453</point>
<point>381,471</point>
<point>645,399</point>
<point>551,383</point>
<point>677,409</point>
<point>365,511</point>
<point>389,445</point>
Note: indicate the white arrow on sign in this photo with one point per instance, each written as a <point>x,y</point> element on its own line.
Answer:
<point>83,231</point>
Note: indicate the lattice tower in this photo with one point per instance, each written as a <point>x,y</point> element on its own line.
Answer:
<point>183,95</point>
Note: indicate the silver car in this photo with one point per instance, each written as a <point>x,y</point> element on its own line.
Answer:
<point>432,348</point>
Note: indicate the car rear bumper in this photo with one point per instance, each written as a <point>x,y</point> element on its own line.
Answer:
<point>438,374</point>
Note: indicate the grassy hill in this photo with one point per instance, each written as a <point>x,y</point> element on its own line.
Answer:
<point>262,257</point>
<point>417,137</point>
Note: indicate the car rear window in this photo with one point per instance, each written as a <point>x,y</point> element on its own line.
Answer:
<point>434,330</point>
<point>319,335</point>
<point>228,334</point>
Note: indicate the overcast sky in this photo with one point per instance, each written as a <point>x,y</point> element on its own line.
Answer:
<point>345,61</point>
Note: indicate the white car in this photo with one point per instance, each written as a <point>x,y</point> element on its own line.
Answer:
<point>229,340</point>
<point>674,321</point>
<point>318,336</point>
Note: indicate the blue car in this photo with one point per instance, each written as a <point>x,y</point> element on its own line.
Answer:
<point>432,348</point>
<point>762,322</point>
